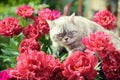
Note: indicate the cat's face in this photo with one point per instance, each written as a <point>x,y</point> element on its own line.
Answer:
<point>63,31</point>
<point>66,37</point>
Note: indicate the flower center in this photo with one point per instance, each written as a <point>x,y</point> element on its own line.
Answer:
<point>106,19</point>
<point>76,68</point>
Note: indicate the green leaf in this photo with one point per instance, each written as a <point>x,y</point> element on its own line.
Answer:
<point>98,66</point>
<point>54,51</point>
<point>8,61</point>
<point>23,22</point>
<point>10,52</point>
<point>63,57</point>
<point>98,77</point>
<point>13,44</point>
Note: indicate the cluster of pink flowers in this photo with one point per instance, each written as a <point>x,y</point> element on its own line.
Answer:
<point>100,43</point>
<point>10,26</point>
<point>35,65</point>
<point>32,64</point>
<point>106,19</point>
<point>40,25</point>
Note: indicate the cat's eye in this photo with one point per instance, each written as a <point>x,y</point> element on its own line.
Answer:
<point>69,34</point>
<point>60,35</point>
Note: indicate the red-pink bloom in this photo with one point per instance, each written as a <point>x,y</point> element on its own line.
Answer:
<point>31,32</point>
<point>4,75</point>
<point>41,25</point>
<point>105,19</point>
<point>80,66</point>
<point>55,14</point>
<point>25,11</point>
<point>35,66</point>
<point>48,14</point>
<point>10,26</point>
<point>29,44</point>
<point>43,15</point>
<point>111,65</point>
<point>98,42</point>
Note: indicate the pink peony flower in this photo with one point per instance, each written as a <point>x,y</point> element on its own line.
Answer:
<point>98,42</point>
<point>55,14</point>
<point>10,26</point>
<point>105,19</point>
<point>29,44</point>
<point>111,65</point>
<point>48,14</point>
<point>80,66</point>
<point>4,75</point>
<point>31,32</point>
<point>41,25</point>
<point>43,15</point>
<point>35,65</point>
<point>25,11</point>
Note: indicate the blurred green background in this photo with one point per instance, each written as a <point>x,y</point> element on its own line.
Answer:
<point>86,8</point>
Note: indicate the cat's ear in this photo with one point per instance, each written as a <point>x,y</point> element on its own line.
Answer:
<point>50,23</point>
<point>71,19</point>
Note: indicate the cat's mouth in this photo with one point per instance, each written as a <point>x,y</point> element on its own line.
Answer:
<point>67,42</point>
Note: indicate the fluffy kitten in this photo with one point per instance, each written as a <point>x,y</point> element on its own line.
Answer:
<point>67,31</point>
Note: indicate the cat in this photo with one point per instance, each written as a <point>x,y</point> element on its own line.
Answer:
<point>67,32</point>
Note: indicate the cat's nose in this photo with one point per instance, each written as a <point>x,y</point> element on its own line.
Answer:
<point>66,39</point>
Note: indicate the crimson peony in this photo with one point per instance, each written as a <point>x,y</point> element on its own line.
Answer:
<point>48,14</point>
<point>4,75</point>
<point>111,65</point>
<point>105,19</point>
<point>31,32</point>
<point>29,44</point>
<point>98,42</point>
<point>25,11</point>
<point>41,25</point>
<point>35,66</point>
<point>10,26</point>
<point>80,66</point>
